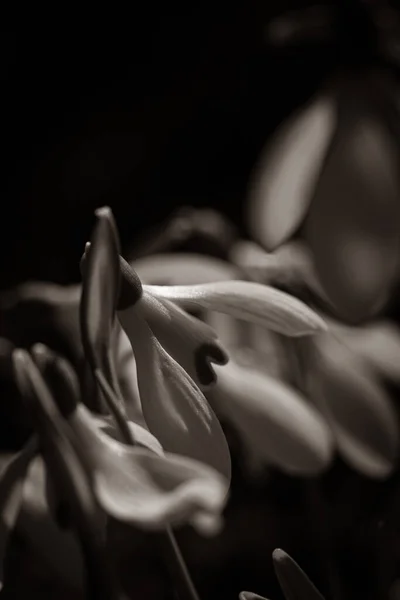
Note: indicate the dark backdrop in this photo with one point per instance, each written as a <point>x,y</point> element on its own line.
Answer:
<point>143,113</point>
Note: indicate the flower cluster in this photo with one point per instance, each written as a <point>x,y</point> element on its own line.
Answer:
<point>141,444</point>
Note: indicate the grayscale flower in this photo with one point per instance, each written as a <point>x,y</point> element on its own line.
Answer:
<point>331,169</point>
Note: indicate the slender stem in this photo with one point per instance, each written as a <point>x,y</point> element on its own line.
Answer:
<point>115,408</point>
<point>297,357</point>
<point>184,583</point>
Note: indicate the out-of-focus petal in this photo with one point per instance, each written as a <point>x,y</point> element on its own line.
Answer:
<point>174,408</point>
<point>169,493</point>
<point>274,419</point>
<point>152,490</point>
<point>46,312</point>
<point>192,343</point>
<point>250,596</point>
<point>68,474</point>
<point>38,528</point>
<point>204,227</point>
<point>13,473</point>
<point>183,269</point>
<point>294,582</point>
<point>309,24</point>
<point>377,343</point>
<point>63,383</point>
<point>353,223</point>
<point>155,492</point>
<point>358,409</point>
<point>282,185</point>
<point>247,301</point>
<point>100,292</point>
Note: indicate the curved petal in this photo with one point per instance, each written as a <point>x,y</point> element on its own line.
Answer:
<point>14,471</point>
<point>359,411</point>
<point>68,474</point>
<point>377,343</point>
<point>64,386</point>
<point>353,224</point>
<point>127,376</point>
<point>174,408</point>
<point>189,341</point>
<point>250,596</point>
<point>155,492</point>
<point>43,534</point>
<point>100,292</point>
<point>247,301</point>
<point>294,582</point>
<point>274,420</point>
<point>282,185</point>
<point>42,311</point>
<point>149,489</point>
<point>142,437</point>
<point>182,269</point>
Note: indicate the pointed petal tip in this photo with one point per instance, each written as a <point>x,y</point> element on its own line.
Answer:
<point>131,289</point>
<point>103,212</point>
<point>279,556</point>
<point>250,596</point>
<point>40,352</point>
<point>281,185</point>
<point>20,358</point>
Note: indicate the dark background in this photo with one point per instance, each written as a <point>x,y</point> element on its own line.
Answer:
<point>143,113</point>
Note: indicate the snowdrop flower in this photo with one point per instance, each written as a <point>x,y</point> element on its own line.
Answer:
<point>161,334</point>
<point>251,302</point>
<point>141,484</point>
<point>278,424</point>
<point>67,474</point>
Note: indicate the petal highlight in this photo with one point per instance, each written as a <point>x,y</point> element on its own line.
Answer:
<point>282,185</point>
<point>247,301</point>
<point>174,408</point>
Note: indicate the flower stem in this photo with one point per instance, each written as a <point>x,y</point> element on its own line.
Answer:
<point>184,584</point>
<point>179,571</point>
<point>115,408</point>
<point>299,353</point>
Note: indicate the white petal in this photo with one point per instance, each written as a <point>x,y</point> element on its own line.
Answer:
<point>249,301</point>
<point>274,419</point>
<point>152,490</point>
<point>189,341</point>
<point>282,185</point>
<point>378,344</point>
<point>174,408</point>
<point>43,534</point>
<point>353,223</point>
<point>359,410</point>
